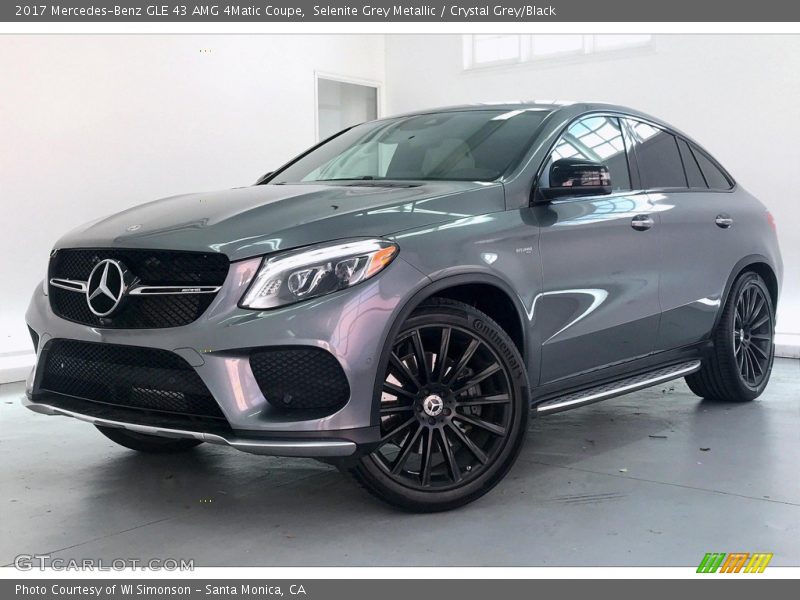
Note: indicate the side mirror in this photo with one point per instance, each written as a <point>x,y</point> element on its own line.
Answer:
<point>577,177</point>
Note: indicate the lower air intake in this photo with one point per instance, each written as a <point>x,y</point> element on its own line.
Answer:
<point>126,376</point>
<point>300,378</point>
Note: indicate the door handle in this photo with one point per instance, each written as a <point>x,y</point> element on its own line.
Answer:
<point>642,222</point>
<point>724,221</point>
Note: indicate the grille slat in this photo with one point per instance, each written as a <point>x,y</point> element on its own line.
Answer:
<point>127,376</point>
<point>151,267</point>
<point>300,378</point>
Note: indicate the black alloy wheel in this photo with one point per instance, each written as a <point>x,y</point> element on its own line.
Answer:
<point>752,335</point>
<point>738,366</point>
<point>452,410</point>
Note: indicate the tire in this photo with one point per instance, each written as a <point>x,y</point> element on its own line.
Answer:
<point>739,364</point>
<point>451,428</point>
<point>152,444</point>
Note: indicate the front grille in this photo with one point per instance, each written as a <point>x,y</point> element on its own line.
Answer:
<point>149,267</point>
<point>126,376</point>
<point>300,378</point>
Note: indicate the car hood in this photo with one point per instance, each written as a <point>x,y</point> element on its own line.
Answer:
<point>245,222</point>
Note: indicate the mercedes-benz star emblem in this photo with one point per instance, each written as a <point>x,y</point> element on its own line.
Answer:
<point>106,287</point>
<point>433,405</point>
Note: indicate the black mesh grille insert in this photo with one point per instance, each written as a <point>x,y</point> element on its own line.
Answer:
<point>300,378</point>
<point>127,376</point>
<point>151,267</point>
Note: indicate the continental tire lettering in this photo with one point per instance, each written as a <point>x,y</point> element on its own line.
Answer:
<point>497,339</point>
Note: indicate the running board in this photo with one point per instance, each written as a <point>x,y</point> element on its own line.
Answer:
<point>617,388</point>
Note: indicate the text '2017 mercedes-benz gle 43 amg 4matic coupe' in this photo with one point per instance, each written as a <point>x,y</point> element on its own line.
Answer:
<point>401,298</point>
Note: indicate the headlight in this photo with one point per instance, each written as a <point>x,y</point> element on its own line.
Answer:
<point>307,273</point>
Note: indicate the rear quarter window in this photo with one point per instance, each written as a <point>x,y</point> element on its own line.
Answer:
<point>693,173</point>
<point>716,178</point>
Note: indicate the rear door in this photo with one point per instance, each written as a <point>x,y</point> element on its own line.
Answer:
<point>697,240</point>
<point>599,304</point>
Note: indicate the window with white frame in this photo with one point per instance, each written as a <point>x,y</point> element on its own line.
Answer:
<point>341,104</point>
<point>495,49</point>
<point>491,50</point>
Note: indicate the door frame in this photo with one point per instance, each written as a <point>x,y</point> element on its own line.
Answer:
<point>378,85</point>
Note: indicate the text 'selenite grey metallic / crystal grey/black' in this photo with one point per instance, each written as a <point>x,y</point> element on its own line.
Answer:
<point>401,298</point>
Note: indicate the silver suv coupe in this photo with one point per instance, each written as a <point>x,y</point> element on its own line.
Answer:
<point>399,299</point>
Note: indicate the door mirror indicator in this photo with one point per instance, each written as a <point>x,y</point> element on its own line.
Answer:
<point>577,177</point>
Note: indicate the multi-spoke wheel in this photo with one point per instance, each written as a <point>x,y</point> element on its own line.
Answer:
<point>453,410</point>
<point>740,363</point>
<point>752,334</point>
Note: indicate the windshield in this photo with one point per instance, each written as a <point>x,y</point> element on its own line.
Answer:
<point>474,145</point>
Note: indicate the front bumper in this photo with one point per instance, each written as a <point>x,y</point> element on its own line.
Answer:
<point>309,448</point>
<point>352,325</point>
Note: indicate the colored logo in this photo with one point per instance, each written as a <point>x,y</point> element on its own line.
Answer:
<point>735,562</point>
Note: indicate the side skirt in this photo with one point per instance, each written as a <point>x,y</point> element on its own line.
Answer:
<point>616,388</point>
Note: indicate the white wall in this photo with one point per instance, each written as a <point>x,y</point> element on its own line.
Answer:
<point>90,125</point>
<point>737,95</point>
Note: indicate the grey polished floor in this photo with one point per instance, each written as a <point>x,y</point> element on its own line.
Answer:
<point>654,478</point>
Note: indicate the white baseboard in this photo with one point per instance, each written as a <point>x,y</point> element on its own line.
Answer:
<point>787,345</point>
<point>16,366</point>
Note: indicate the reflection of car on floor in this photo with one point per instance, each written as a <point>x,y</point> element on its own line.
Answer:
<point>396,299</point>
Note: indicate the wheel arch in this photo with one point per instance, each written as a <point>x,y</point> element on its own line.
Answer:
<point>757,264</point>
<point>461,287</point>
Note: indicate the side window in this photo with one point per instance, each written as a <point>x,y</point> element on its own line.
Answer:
<point>717,180</point>
<point>598,139</point>
<point>658,157</point>
<point>693,173</point>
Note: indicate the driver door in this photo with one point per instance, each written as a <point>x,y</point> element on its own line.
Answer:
<point>599,305</point>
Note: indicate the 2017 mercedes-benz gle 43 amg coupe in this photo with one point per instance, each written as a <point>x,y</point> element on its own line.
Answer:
<point>402,297</point>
